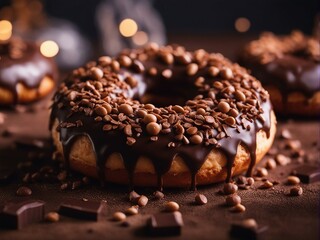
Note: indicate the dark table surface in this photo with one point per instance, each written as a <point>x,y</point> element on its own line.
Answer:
<point>286,217</point>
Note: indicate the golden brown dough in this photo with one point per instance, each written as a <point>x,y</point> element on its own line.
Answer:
<point>25,94</point>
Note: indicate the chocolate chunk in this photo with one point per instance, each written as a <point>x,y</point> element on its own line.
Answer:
<point>20,213</point>
<point>307,174</point>
<point>77,208</point>
<point>246,229</point>
<point>165,224</point>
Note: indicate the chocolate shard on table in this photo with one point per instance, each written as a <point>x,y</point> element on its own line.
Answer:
<point>247,229</point>
<point>307,173</point>
<point>165,224</point>
<point>83,209</point>
<point>20,213</point>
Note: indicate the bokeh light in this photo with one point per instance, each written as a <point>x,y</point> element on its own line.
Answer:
<point>128,27</point>
<point>140,38</point>
<point>5,30</point>
<point>242,24</point>
<point>49,48</point>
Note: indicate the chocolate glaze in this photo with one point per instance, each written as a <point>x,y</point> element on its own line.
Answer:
<point>29,69</point>
<point>107,142</point>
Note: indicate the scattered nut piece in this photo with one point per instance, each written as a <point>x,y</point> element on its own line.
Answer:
<point>158,195</point>
<point>233,200</point>
<point>201,199</point>
<point>271,164</point>
<point>262,172</point>
<point>229,188</point>
<point>296,191</point>
<point>250,223</point>
<point>266,185</point>
<point>143,201</point>
<point>171,206</point>
<point>133,210</point>
<point>119,216</point>
<point>293,180</point>
<point>250,181</point>
<point>282,159</point>
<point>238,208</point>
<point>286,134</point>
<point>133,197</point>
<point>52,217</point>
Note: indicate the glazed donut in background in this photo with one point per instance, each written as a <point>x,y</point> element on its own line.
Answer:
<point>25,74</point>
<point>109,119</point>
<point>289,68</point>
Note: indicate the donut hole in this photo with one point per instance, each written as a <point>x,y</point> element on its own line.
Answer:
<point>161,92</point>
<point>162,100</point>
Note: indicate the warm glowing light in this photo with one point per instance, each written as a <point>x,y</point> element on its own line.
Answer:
<point>49,48</point>
<point>242,24</point>
<point>5,30</point>
<point>140,38</point>
<point>128,27</point>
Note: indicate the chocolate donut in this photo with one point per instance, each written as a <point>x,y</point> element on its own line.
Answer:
<point>25,74</point>
<point>289,68</point>
<point>102,126</point>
